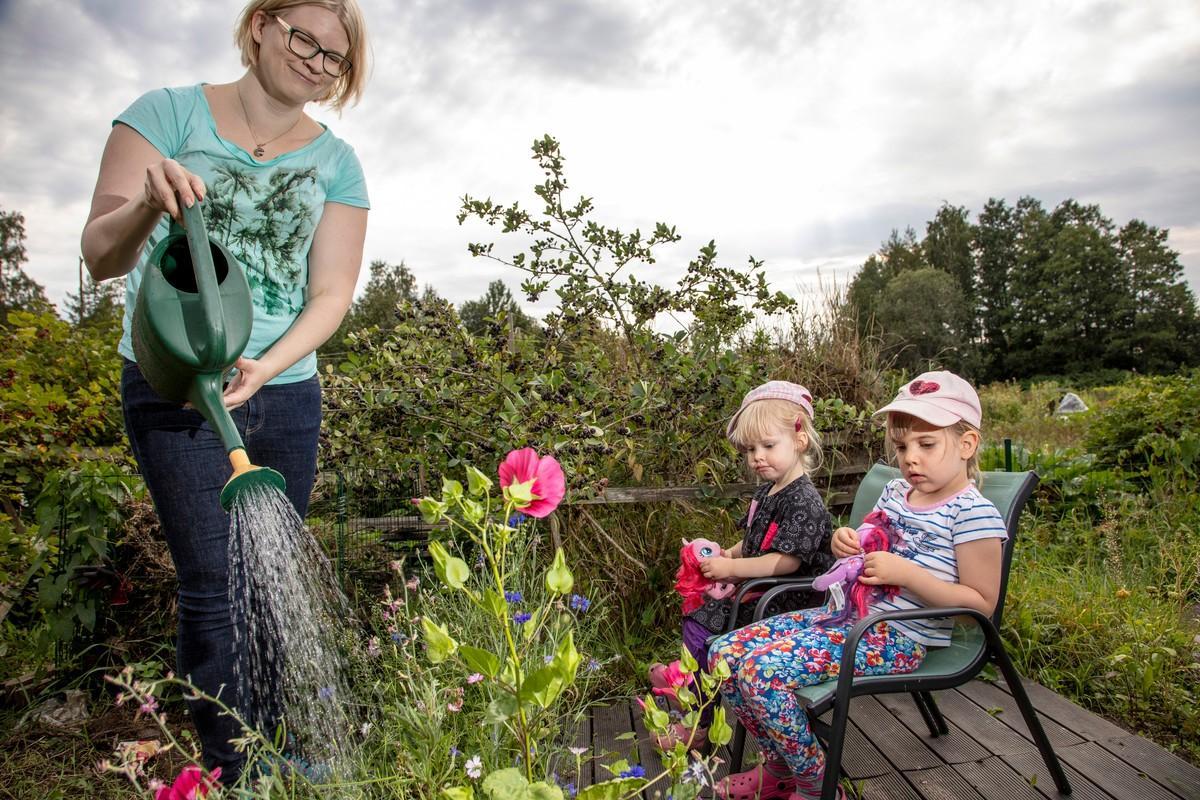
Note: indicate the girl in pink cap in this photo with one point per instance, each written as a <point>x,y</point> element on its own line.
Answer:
<point>787,527</point>
<point>946,552</point>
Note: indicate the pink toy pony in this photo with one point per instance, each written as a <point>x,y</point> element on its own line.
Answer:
<point>875,534</point>
<point>690,581</point>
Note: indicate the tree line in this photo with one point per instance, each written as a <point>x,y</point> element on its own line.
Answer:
<point>1023,291</point>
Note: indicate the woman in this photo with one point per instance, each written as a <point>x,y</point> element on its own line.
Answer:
<point>288,199</point>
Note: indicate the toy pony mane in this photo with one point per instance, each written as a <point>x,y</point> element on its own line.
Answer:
<point>689,580</point>
<point>874,535</point>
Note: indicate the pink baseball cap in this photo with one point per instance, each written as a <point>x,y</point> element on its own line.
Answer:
<point>774,390</point>
<point>939,398</point>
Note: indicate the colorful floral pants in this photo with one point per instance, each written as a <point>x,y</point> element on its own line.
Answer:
<point>769,660</point>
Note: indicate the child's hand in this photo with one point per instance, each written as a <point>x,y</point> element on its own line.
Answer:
<point>882,567</point>
<point>727,553</point>
<point>845,543</point>
<point>717,568</point>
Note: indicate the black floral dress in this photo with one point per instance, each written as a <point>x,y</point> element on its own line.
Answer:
<point>793,521</point>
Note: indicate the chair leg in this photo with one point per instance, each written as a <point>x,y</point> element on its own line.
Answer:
<point>1013,678</point>
<point>926,714</point>
<point>833,749</point>
<point>737,748</point>
<point>936,713</point>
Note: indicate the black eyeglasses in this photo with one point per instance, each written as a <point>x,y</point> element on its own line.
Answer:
<point>301,44</point>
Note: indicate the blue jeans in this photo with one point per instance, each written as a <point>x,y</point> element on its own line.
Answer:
<point>184,465</point>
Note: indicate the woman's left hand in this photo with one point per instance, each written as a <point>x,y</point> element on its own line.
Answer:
<point>883,567</point>
<point>250,377</point>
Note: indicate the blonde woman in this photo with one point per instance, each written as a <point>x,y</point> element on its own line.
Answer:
<point>289,199</point>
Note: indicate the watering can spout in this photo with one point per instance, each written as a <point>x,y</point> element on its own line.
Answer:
<point>191,323</point>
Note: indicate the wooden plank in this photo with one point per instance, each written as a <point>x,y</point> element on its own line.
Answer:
<point>993,735</point>
<point>996,780</point>
<point>902,748</point>
<point>1032,768</point>
<point>609,722</point>
<point>941,783</point>
<point>990,698</point>
<point>647,754</point>
<point>1112,774</point>
<point>582,738</point>
<point>860,758</point>
<point>1164,767</point>
<point>955,747</point>
<point>1071,716</point>
<point>892,786</point>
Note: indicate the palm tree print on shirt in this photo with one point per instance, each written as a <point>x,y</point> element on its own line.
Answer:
<point>267,228</point>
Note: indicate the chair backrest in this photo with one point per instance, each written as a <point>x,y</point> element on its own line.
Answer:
<point>1007,490</point>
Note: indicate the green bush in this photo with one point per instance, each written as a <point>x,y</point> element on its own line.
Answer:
<point>1151,423</point>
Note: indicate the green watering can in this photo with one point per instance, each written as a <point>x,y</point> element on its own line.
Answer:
<point>191,323</point>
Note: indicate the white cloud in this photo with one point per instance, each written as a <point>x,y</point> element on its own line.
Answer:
<point>797,132</point>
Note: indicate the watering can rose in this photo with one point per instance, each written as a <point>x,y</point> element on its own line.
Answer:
<point>535,486</point>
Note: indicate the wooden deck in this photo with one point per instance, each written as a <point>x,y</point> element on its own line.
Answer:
<point>987,754</point>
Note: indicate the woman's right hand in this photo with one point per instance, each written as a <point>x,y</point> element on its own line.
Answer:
<point>845,543</point>
<point>167,184</point>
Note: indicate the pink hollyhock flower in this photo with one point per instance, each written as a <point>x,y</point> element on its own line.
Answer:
<point>535,485</point>
<point>674,679</point>
<point>192,784</point>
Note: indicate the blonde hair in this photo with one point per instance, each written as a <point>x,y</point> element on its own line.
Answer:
<point>899,424</point>
<point>345,90</point>
<point>763,417</point>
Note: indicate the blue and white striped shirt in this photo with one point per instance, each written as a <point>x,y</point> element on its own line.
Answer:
<point>928,536</point>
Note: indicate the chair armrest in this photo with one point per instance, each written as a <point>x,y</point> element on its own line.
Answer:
<point>787,582</point>
<point>846,675</point>
<point>783,585</point>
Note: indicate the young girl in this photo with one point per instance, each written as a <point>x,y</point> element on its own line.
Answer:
<point>947,553</point>
<point>787,527</point>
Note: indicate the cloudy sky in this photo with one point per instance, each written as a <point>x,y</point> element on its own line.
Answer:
<point>797,132</point>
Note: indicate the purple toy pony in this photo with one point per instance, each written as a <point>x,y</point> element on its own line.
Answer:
<point>874,535</point>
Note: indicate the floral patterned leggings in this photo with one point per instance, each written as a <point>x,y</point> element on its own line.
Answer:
<point>769,660</point>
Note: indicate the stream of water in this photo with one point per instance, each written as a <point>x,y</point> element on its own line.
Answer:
<point>291,665</point>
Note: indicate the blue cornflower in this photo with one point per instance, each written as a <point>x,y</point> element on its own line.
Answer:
<point>325,692</point>
<point>516,519</point>
<point>579,603</point>
<point>636,771</point>
<point>454,752</point>
<point>513,597</point>
<point>547,658</point>
<point>570,790</point>
<point>521,617</point>
<point>398,637</point>
<point>593,665</point>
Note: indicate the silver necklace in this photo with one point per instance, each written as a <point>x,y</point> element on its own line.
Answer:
<point>259,147</point>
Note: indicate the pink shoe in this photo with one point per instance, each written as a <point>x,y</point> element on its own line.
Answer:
<point>682,733</point>
<point>762,782</point>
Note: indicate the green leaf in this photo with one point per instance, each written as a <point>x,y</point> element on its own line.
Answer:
<point>451,570</point>
<point>480,660</point>
<point>477,482</point>
<point>687,662</point>
<point>542,687</point>
<point>502,708</point>
<point>558,578</point>
<point>719,732</point>
<point>494,603</point>
<point>505,784</point>
<point>431,510</point>
<point>452,490</point>
<point>438,640</point>
<point>459,793</point>
<point>611,790</point>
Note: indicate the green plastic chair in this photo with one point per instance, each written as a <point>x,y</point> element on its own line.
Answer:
<point>973,644</point>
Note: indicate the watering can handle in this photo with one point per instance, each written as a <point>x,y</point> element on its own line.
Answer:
<point>206,282</point>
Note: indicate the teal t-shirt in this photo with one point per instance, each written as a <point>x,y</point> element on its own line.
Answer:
<point>265,213</point>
